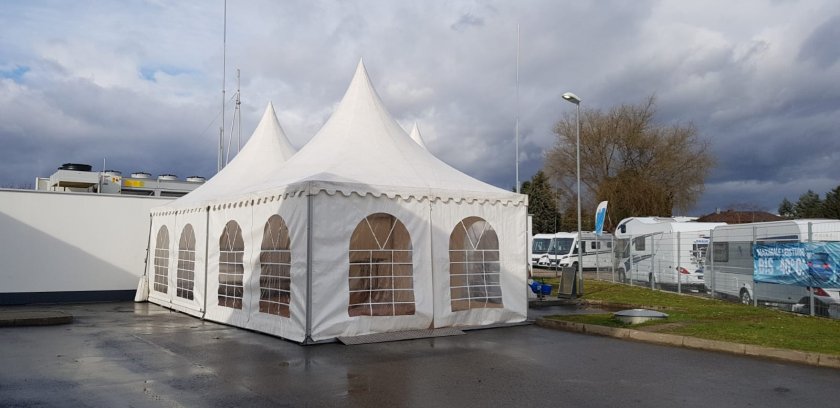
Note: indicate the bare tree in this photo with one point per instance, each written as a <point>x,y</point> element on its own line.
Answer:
<point>641,167</point>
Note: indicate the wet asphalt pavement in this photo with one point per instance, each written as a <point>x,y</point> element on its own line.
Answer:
<point>141,355</point>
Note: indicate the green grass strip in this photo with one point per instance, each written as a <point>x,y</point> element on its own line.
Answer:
<point>713,319</point>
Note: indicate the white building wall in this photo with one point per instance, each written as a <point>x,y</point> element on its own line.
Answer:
<point>67,242</point>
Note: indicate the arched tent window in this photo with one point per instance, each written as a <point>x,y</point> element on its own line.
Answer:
<point>474,269</point>
<point>231,267</point>
<point>380,276</point>
<point>275,268</point>
<point>186,264</point>
<point>162,260</point>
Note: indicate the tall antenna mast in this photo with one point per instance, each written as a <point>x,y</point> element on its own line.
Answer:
<point>222,127</point>
<point>517,110</point>
<point>238,112</point>
<point>237,120</point>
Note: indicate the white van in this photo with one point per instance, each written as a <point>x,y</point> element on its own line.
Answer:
<point>540,246</point>
<point>560,250</point>
<point>730,263</point>
<point>548,248</point>
<point>597,251</point>
<point>663,250</point>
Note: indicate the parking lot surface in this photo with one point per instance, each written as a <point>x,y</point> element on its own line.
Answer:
<point>141,355</point>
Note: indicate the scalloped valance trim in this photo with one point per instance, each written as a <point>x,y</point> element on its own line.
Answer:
<point>300,190</point>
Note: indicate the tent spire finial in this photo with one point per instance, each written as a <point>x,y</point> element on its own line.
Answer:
<point>415,135</point>
<point>361,69</point>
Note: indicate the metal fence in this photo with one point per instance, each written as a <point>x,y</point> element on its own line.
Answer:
<point>721,264</point>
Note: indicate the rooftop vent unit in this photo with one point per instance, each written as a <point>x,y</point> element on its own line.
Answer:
<point>74,177</point>
<point>76,167</point>
<point>81,178</point>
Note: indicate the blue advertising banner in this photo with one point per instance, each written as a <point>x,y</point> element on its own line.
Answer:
<point>798,263</point>
<point>600,215</point>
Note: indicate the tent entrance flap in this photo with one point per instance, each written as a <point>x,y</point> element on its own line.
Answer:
<point>399,335</point>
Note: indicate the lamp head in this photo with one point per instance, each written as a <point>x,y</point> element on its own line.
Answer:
<point>571,98</point>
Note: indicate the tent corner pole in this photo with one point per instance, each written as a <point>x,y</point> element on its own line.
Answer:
<point>206,260</point>
<point>146,261</point>
<point>432,259</point>
<point>308,333</point>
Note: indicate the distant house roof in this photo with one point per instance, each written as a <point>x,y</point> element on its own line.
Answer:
<point>739,217</point>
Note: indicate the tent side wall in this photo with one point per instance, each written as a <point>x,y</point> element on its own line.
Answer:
<point>335,219</point>
<point>265,310</point>
<point>234,269</point>
<point>508,220</point>
<point>238,267</point>
<point>158,221</point>
<point>185,250</point>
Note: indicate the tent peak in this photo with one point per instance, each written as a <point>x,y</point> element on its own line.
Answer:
<point>270,114</point>
<point>361,76</point>
<point>415,135</point>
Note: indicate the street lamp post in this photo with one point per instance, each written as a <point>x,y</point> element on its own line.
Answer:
<point>576,100</point>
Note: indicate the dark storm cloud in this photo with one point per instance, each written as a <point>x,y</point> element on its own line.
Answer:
<point>821,45</point>
<point>140,83</point>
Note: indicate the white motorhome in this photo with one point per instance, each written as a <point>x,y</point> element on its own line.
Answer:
<point>560,250</point>
<point>731,263</point>
<point>548,248</point>
<point>663,250</point>
<point>541,245</point>
<point>597,251</point>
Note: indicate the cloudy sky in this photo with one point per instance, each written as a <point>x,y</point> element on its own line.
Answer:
<point>138,83</point>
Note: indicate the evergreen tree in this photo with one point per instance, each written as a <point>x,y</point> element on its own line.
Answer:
<point>786,209</point>
<point>809,206</point>
<point>542,204</point>
<point>831,205</point>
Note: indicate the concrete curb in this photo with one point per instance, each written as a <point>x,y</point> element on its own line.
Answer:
<point>537,304</point>
<point>33,318</point>
<point>793,356</point>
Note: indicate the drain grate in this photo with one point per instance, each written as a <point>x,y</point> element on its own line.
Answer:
<point>400,335</point>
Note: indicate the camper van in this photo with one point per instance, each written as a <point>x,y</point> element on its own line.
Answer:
<point>731,263</point>
<point>541,244</point>
<point>596,251</point>
<point>560,250</point>
<point>663,250</point>
<point>547,248</point>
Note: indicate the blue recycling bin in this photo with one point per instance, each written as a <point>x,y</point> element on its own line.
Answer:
<point>546,289</point>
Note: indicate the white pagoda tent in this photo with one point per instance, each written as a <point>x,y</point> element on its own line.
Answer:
<point>362,231</point>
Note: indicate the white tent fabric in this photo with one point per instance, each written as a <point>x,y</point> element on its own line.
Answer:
<point>362,148</point>
<point>378,235</point>
<point>415,135</point>
<point>265,152</point>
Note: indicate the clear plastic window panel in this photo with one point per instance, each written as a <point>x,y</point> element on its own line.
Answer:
<point>381,278</point>
<point>474,267</point>
<point>275,268</point>
<point>161,283</point>
<point>231,266</point>
<point>186,264</point>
